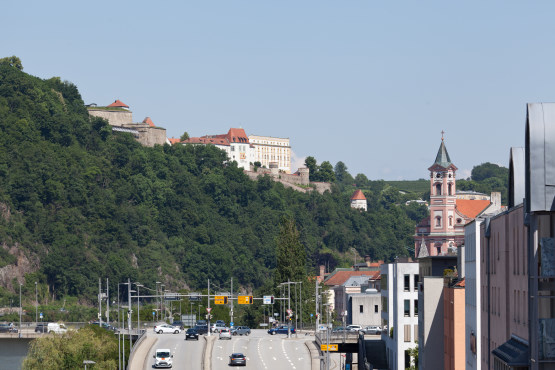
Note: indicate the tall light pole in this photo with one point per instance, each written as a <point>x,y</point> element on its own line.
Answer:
<point>158,308</point>
<point>162,301</point>
<point>20,309</point>
<point>36,304</point>
<point>138,307</point>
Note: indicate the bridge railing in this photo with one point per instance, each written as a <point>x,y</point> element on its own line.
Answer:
<point>336,337</point>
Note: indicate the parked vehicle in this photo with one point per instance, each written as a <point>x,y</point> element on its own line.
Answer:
<point>280,330</point>
<point>191,333</point>
<point>341,329</point>
<point>241,330</point>
<point>166,328</point>
<point>372,329</point>
<point>237,359</point>
<point>225,333</point>
<point>7,327</point>
<point>104,325</point>
<point>56,328</point>
<point>163,358</point>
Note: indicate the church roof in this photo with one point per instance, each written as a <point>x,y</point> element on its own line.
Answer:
<point>148,121</point>
<point>358,195</point>
<point>119,103</point>
<point>442,157</point>
<point>472,207</point>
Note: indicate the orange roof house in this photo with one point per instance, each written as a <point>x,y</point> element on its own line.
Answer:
<point>358,195</point>
<point>118,104</point>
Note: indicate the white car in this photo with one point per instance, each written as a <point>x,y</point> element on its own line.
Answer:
<point>166,328</point>
<point>163,358</point>
<point>354,328</point>
<point>217,327</point>
<point>56,328</point>
<point>372,329</point>
<point>225,333</point>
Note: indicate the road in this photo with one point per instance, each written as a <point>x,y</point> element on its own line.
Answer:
<point>264,351</point>
<point>187,354</point>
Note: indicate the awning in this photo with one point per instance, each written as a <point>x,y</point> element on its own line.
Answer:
<point>513,352</point>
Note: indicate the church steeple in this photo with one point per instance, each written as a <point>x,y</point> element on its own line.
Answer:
<point>442,157</point>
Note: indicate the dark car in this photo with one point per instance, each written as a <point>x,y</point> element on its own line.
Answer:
<point>201,329</point>
<point>42,327</point>
<point>179,324</point>
<point>237,359</point>
<point>202,322</point>
<point>241,330</point>
<point>7,328</point>
<point>191,333</point>
<point>104,325</point>
<point>280,330</point>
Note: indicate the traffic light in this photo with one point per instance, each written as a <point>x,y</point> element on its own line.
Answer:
<point>245,299</point>
<point>220,299</point>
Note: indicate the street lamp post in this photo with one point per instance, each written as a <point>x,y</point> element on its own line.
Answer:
<point>36,304</point>
<point>88,362</point>
<point>20,310</point>
<point>138,307</point>
<point>157,300</point>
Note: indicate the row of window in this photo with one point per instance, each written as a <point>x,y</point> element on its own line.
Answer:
<point>407,305</point>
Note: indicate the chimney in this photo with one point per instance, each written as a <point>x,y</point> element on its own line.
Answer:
<point>322,271</point>
<point>496,200</point>
<point>367,260</point>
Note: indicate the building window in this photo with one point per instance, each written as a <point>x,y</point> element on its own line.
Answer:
<point>416,280</point>
<point>415,307</point>
<point>450,189</point>
<point>361,308</point>
<point>450,221</point>
<point>407,283</point>
<point>438,189</point>
<point>407,333</point>
<point>407,307</point>
<point>375,308</point>
<point>438,221</point>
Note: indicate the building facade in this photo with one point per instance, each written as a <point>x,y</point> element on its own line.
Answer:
<point>358,200</point>
<point>473,302</point>
<point>399,291</point>
<point>271,151</point>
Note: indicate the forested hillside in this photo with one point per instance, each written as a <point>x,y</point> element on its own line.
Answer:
<point>79,202</point>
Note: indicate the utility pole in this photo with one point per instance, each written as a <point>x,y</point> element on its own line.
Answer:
<point>317,316</point>
<point>208,307</point>
<point>36,304</point>
<point>289,309</point>
<point>107,303</point>
<point>231,299</point>
<point>129,312</point>
<point>99,302</point>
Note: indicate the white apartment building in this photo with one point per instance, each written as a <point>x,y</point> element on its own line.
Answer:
<point>472,297</point>
<point>271,151</point>
<point>399,291</point>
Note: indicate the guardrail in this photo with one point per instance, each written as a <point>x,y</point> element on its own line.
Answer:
<point>336,337</point>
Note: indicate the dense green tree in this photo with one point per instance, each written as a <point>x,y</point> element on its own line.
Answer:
<point>326,172</point>
<point>12,61</point>
<point>314,169</point>
<point>184,137</point>
<point>290,253</point>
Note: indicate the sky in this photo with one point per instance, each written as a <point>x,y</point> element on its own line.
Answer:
<point>369,83</point>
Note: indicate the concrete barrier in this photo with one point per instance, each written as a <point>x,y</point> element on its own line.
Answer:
<point>207,352</point>
<point>314,352</point>
<point>139,356</point>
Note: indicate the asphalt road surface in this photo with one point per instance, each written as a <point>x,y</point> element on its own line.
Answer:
<point>187,354</point>
<point>263,351</point>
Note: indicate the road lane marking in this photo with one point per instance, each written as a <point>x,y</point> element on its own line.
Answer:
<point>285,353</point>
<point>260,354</point>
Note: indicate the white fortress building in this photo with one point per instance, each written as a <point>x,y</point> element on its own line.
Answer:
<point>272,150</point>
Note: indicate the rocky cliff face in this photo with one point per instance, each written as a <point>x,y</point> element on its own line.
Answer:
<point>22,266</point>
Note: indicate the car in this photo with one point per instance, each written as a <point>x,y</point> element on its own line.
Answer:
<point>166,328</point>
<point>56,328</point>
<point>237,359</point>
<point>217,327</point>
<point>201,322</point>
<point>341,329</point>
<point>179,324</point>
<point>42,327</point>
<point>7,327</point>
<point>241,330</point>
<point>104,325</point>
<point>354,328</point>
<point>163,358</point>
<point>225,333</point>
<point>201,329</point>
<point>191,333</point>
<point>280,330</point>
<point>372,329</point>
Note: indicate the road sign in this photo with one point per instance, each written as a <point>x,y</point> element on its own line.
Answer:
<point>329,347</point>
<point>220,299</point>
<point>172,297</point>
<point>208,309</point>
<point>231,323</point>
<point>311,314</point>
<point>290,312</point>
<point>244,299</point>
<point>194,297</point>
<point>41,315</point>
<point>153,313</point>
<point>268,299</point>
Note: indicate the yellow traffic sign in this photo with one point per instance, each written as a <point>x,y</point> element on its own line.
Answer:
<point>329,347</point>
<point>244,299</point>
<point>220,299</point>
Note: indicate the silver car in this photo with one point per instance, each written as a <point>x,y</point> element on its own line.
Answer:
<point>225,333</point>
<point>373,330</point>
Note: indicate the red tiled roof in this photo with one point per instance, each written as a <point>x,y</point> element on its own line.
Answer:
<point>237,135</point>
<point>148,121</point>
<point>358,195</point>
<point>472,207</point>
<point>461,283</point>
<point>206,140</point>
<point>341,277</point>
<point>174,140</point>
<point>119,103</point>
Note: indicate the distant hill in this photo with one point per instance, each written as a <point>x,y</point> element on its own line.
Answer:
<point>411,186</point>
<point>79,202</point>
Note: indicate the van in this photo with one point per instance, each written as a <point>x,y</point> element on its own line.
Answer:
<point>56,328</point>
<point>163,358</point>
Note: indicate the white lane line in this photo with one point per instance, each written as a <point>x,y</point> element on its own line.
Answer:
<point>260,354</point>
<point>285,353</point>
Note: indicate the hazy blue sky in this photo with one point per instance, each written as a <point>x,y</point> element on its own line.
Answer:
<point>370,83</point>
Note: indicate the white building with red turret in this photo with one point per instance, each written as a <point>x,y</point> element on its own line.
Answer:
<point>358,200</point>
